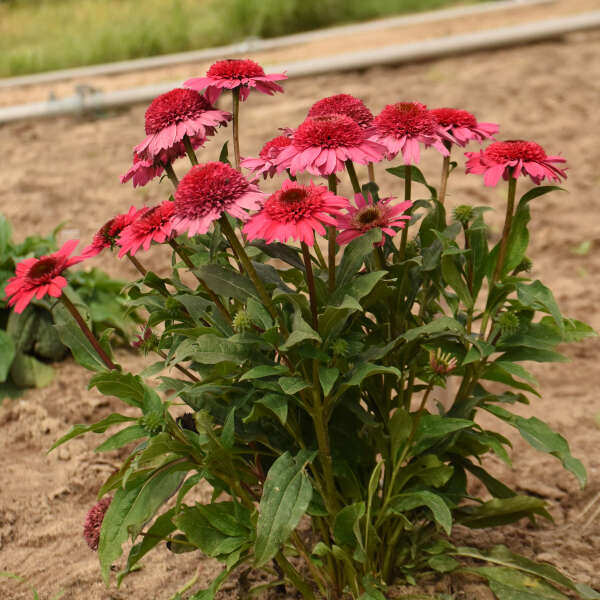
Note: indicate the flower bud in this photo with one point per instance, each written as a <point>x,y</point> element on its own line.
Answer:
<point>442,363</point>
<point>340,348</point>
<point>241,321</point>
<point>463,214</point>
<point>152,422</point>
<point>524,265</point>
<point>508,323</point>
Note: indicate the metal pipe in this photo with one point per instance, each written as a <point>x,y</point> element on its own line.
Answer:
<point>259,45</point>
<point>418,51</point>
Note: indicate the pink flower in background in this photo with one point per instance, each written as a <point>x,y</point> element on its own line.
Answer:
<point>265,165</point>
<point>142,171</point>
<point>108,234</point>
<point>321,145</point>
<point>93,522</point>
<point>343,104</point>
<point>153,224</point>
<point>172,116</point>
<point>295,211</point>
<point>368,215</point>
<point>512,159</point>
<point>233,73</point>
<point>209,190</point>
<point>460,127</point>
<point>40,276</point>
<point>403,126</point>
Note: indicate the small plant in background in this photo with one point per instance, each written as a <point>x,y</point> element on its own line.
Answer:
<point>28,338</point>
<point>313,382</point>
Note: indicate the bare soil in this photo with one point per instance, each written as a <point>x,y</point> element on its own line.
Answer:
<point>67,169</point>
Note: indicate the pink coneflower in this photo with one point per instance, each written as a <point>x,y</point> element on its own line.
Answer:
<point>368,215</point>
<point>403,126</point>
<point>93,522</point>
<point>209,190</point>
<point>343,104</point>
<point>40,276</point>
<point>142,170</point>
<point>459,126</point>
<point>513,158</point>
<point>295,211</point>
<point>236,73</point>
<point>108,234</point>
<point>153,224</point>
<point>321,145</point>
<point>266,165</point>
<point>176,114</point>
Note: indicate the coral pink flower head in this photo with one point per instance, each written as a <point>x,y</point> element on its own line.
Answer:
<point>108,234</point>
<point>40,276</point>
<point>265,164</point>
<point>295,211</point>
<point>321,145</point>
<point>343,104</point>
<point>368,215</point>
<point>93,522</point>
<point>142,170</point>
<point>209,190</point>
<point>460,127</point>
<point>153,224</point>
<point>401,127</point>
<point>513,158</point>
<point>172,116</point>
<point>228,74</point>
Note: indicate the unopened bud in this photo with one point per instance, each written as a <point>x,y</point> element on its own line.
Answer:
<point>152,422</point>
<point>241,321</point>
<point>524,265</point>
<point>508,323</point>
<point>340,348</point>
<point>463,214</point>
<point>442,363</point>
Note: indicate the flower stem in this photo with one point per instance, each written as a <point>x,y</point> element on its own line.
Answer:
<point>353,177</point>
<point>235,93</point>
<point>320,256</point>
<point>137,264</point>
<point>407,195</point>
<point>239,251</point>
<point>290,572</point>
<point>371,171</point>
<point>191,266</point>
<point>510,204</point>
<point>331,234</point>
<point>444,180</point>
<point>171,173</point>
<point>320,423</point>
<point>88,334</point>
<point>189,150</point>
<point>310,280</point>
<point>179,367</point>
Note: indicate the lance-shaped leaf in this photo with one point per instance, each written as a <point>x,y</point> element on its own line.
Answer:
<point>99,427</point>
<point>411,500</point>
<point>286,495</point>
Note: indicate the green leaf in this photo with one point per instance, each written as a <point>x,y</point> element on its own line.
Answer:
<point>282,252</point>
<point>508,584</point>
<point>328,377</point>
<point>124,386</point>
<point>416,175</point>
<point>71,336</point>
<point>271,403</point>
<point>441,325</point>
<point>364,370</point>
<point>5,236</point>
<point>499,372</point>
<point>537,296</point>
<point>99,427</point>
<point>28,371</point>
<point>434,427</point>
<point>131,507</point>
<point>357,288</point>
<point>292,385</point>
<point>542,438</point>
<point>354,256</point>
<point>501,511</point>
<point>518,240</point>
<point>455,280</point>
<point>286,495</point>
<point>121,438</point>
<point>301,331</point>
<point>400,426</point>
<point>226,282</point>
<point>211,349</point>
<point>534,354</point>
<point>538,191</point>
<point>443,563</point>
<point>7,351</point>
<point>409,501</point>
<point>259,314</point>
<point>264,371</point>
<point>346,529</point>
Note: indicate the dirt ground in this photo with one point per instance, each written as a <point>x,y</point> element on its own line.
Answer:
<point>67,169</point>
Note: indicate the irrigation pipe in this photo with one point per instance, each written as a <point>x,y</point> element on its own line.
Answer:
<point>418,51</point>
<point>259,45</point>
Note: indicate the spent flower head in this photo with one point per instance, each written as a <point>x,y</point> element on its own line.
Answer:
<point>93,522</point>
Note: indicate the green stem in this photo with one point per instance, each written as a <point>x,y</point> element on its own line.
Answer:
<point>407,195</point>
<point>189,150</point>
<point>310,280</point>
<point>320,256</point>
<point>510,204</point>
<point>188,585</point>
<point>191,266</point>
<point>235,93</point>
<point>325,458</point>
<point>239,251</point>
<point>137,264</point>
<point>444,180</point>
<point>171,173</point>
<point>379,258</point>
<point>290,572</point>
<point>331,234</point>
<point>179,367</point>
<point>88,334</point>
<point>353,177</point>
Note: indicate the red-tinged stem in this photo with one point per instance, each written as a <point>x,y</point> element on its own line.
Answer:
<point>189,150</point>
<point>179,367</point>
<point>88,334</point>
<point>137,264</point>
<point>236,126</point>
<point>407,195</point>
<point>353,177</point>
<point>331,235</point>
<point>444,180</point>
<point>371,171</point>
<point>310,280</point>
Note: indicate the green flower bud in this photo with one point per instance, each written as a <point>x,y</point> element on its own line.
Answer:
<point>508,323</point>
<point>241,321</point>
<point>524,265</point>
<point>152,422</point>
<point>340,348</point>
<point>463,214</point>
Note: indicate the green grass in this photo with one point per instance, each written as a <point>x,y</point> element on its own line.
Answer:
<point>43,35</point>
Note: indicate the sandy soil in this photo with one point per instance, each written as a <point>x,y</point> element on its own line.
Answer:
<point>67,170</point>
